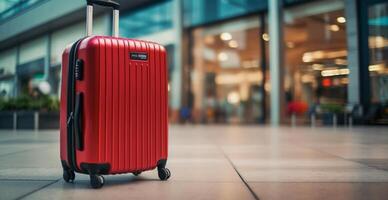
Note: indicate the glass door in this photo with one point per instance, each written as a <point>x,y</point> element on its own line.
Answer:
<point>374,60</point>
<point>226,78</point>
<point>378,52</point>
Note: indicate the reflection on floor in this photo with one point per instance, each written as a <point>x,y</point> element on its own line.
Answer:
<point>216,162</point>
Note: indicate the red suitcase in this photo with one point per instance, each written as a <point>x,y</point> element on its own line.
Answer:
<point>113,105</point>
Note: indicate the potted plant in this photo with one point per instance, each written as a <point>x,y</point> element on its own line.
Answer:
<point>49,113</point>
<point>331,114</point>
<point>26,112</point>
<point>6,114</point>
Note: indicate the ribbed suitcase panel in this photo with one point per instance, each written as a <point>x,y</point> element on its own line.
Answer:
<point>132,105</point>
<point>126,108</point>
<point>132,112</point>
<point>102,102</point>
<point>109,102</point>
<point>122,133</point>
<point>164,106</point>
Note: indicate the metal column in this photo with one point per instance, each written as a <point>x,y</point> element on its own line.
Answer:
<point>353,51</point>
<point>276,61</point>
<point>176,74</point>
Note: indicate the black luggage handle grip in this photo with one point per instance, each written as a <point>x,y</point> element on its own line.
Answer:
<point>109,3</point>
<point>78,121</point>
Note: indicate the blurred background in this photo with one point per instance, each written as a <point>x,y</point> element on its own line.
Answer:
<point>333,58</point>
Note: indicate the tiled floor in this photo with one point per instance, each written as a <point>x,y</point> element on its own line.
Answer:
<point>216,162</point>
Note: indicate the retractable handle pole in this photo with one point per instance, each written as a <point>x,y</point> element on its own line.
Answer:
<point>89,15</point>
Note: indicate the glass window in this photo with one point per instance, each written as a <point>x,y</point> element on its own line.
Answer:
<point>9,8</point>
<point>204,11</point>
<point>7,71</point>
<point>60,39</point>
<point>6,87</point>
<point>29,75</point>
<point>146,21</point>
<point>226,75</point>
<point>316,53</point>
<point>378,52</point>
<point>8,62</point>
<point>30,69</point>
<point>33,50</point>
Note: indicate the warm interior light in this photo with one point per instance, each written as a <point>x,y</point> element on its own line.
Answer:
<point>334,72</point>
<point>341,20</point>
<point>377,42</point>
<point>233,44</point>
<point>267,86</point>
<point>226,36</point>
<point>376,68</point>
<point>209,40</point>
<point>265,37</point>
<point>334,27</point>
<point>290,45</point>
<point>250,64</point>
<point>222,56</point>
<point>344,81</point>
<point>311,56</point>
<point>317,55</point>
<point>233,98</point>
<point>251,77</point>
<point>317,67</point>
<point>340,61</point>
<point>307,78</point>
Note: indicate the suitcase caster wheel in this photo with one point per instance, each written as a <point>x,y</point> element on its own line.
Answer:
<point>68,175</point>
<point>136,173</point>
<point>97,181</point>
<point>164,173</point>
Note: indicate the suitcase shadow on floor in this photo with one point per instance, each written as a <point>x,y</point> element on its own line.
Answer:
<point>110,181</point>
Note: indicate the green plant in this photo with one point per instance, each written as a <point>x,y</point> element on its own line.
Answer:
<point>3,103</point>
<point>7,104</point>
<point>332,108</point>
<point>25,102</point>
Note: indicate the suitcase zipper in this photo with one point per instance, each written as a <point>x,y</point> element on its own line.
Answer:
<point>70,118</point>
<point>71,150</point>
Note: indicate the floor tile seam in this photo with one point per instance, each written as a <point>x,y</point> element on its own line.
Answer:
<point>318,182</point>
<point>304,168</point>
<point>255,196</point>
<point>32,180</point>
<point>36,190</point>
<point>340,157</point>
<point>200,181</point>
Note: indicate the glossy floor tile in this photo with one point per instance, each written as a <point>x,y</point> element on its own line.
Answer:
<point>321,191</point>
<point>215,162</point>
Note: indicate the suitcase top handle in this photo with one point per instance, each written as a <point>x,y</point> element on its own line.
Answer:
<point>114,5</point>
<point>89,15</point>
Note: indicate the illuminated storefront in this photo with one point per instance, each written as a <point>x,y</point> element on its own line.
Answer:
<point>226,76</point>
<point>228,69</point>
<point>316,53</point>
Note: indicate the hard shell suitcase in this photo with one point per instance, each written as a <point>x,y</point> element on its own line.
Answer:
<point>113,105</point>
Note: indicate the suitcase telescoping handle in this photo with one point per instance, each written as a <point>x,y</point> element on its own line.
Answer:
<point>89,15</point>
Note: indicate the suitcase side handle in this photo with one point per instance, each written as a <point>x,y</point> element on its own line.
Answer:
<point>89,15</point>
